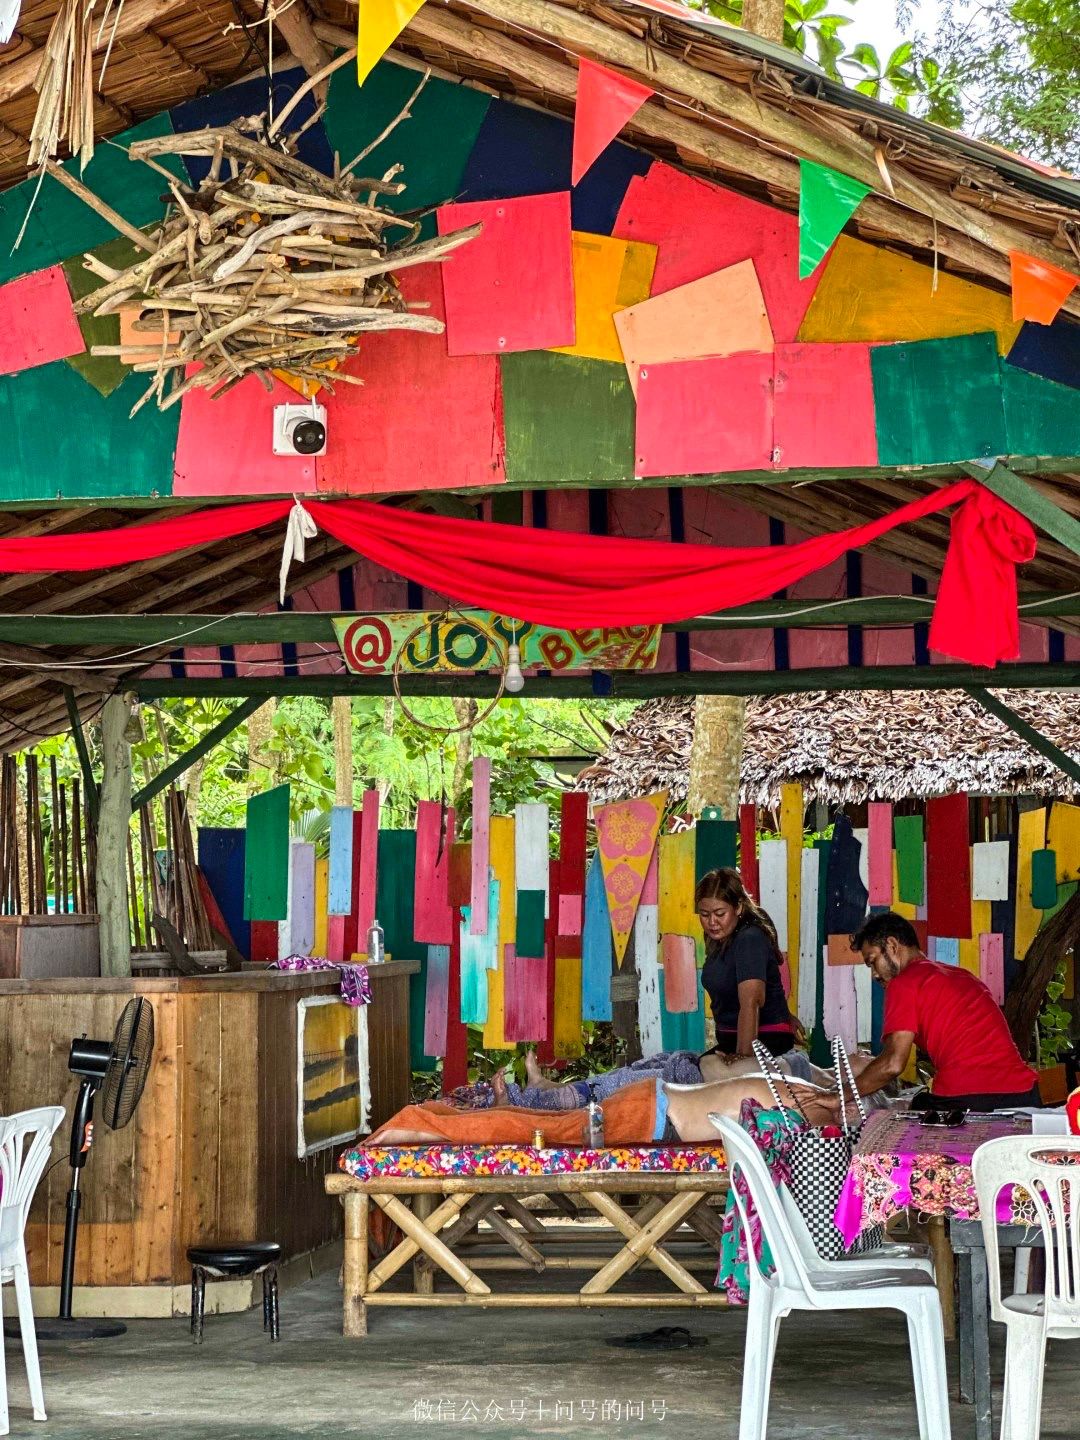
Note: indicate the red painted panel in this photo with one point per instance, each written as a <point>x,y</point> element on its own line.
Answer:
<point>948,867</point>
<point>748,864</point>
<point>264,941</point>
<point>225,447</point>
<point>525,997</point>
<point>37,323</point>
<point>573,820</point>
<point>433,916</point>
<point>824,406</point>
<point>697,417</point>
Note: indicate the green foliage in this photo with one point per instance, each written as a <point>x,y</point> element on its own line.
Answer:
<point>1055,1022</point>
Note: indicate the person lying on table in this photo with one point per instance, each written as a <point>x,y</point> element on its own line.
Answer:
<point>741,975</point>
<point>952,1017</point>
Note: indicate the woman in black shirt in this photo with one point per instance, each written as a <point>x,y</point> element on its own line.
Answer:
<point>742,968</point>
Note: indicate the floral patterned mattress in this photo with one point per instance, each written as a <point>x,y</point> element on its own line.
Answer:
<point>426,1162</point>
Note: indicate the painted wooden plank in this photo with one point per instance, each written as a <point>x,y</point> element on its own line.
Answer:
<point>531,848</point>
<point>296,933</point>
<point>838,950</point>
<point>221,446</point>
<point>529,942</point>
<point>1063,837</point>
<point>864,1004</point>
<point>437,996</point>
<point>948,878</point>
<point>773,869</point>
<point>266,856</point>
<point>609,275</point>
<point>938,400</point>
<point>396,871</point>
<point>545,1048</point>
<point>748,863</point>
<point>715,847</point>
<point>682,1030</point>
<point>910,860</point>
<point>811,429</point>
<point>571,915</point>
<point>512,287</point>
<point>597,950</point>
<point>526,999</point>
<point>341,856</point>
<point>455,1068</point>
<point>37,322</point>
<point>573,825</point>
<point>593,440</point>
<point>880,852</point>
<point>481,843</point>
<point>221,860</point>
<point>676,435</point>
<point>1041,416</point>
<point>992,965</point>
<point>103,372</point>
<point>841,1007</point>
<point>900,907</point>
<point>1044,885</point>
<point>459,882</point>
<point>946,949</point>
<point>433,920</point>
<point>365,862</point>
<point>647,963</point>
<point>474,972</point>
<point>650,890</point>
<point>990,870</point>
<point>264,941</point>
<point>567,1037</point>
<point>792,811</point>
<point>679,959</point>
<point>809,949</point>
<point>336,948</point>
<point>676,874</point>
<point>322,914</point>
<point>502,843</point>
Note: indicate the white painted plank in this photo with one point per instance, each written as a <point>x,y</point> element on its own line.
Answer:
<point>990,870</point>
<point>772,878</point>
<point>531,853</point>
<point>646,957</point>
<point>808,930</point>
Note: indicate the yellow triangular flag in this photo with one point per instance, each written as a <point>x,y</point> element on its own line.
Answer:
<point>379,23</point>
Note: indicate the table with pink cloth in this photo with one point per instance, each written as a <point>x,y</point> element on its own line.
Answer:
<point>900,1161</point>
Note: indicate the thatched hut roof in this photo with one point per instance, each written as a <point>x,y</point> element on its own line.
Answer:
<point>851,746</point>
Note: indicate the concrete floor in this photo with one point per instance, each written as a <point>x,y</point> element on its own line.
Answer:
<point>836,1378</point>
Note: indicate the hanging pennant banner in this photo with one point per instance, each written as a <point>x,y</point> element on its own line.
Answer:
<point>605,102</point>
<point>1038,289</point>
<point>379,24</point>
<point>423,641</point>
<point>626,837</point>
<point>827,201</point>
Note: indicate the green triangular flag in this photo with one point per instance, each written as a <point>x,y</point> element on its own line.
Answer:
<point>827,200</point>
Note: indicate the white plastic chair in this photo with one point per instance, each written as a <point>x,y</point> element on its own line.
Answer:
<point>1031,1320</point>
<point>889,1255</point>
<point>25,1143</point>
<point>794,1285</point>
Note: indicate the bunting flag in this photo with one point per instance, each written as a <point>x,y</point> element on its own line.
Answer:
<point>379,23</point>
<point>827,201</point>
<point>605,102</point>
<point>626,837</point>
<point>1038,289</point>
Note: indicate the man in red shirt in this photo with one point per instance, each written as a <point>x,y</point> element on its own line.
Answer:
<point>950,1014</point>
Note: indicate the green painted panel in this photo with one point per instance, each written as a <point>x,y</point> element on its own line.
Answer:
<point>682,1029</point>
<point>910,859</point>
<point>529,935</point>
<point>394,910</point>
<point>266,855</point>
<point>103,372</point>
<point>433,145</point>
<point>106,453</point>
<point>715,845</point>
<point>1041,417</point>
<point>1065,893</point>
<point>568,420</point>
<point>1044,885</point>
<point>60,224</point>
<point>938,400</point>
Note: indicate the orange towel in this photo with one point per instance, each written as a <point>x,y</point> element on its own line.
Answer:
<point>629,1119</point>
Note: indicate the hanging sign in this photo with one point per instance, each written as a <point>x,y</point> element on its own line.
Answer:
<point>462,641</point>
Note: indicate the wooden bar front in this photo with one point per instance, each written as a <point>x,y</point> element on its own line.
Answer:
<point>210,1154</point>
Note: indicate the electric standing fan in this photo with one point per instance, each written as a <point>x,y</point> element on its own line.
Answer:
<point>118,1068</point>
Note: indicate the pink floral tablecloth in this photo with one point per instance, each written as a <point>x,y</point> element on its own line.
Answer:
<point>901,1162</point>
<point>425,1162</point>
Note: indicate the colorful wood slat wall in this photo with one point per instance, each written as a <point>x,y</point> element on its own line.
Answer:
<point>792,813</point>
<point>481,844</point>
<point>677,915</point>
<point>567,1036</point>
<point>990,870</point>
<point>502,843</point>
<point>221,860</point>
<point>341,860</point>
<point>434,919</point>
<point>396,861</point>
<point>679,958</point>
<point>880,858</point>
<point>296,933</point>
<point>266,856</point>
<point>647,962</point>
<point>365,865</point>
<point>773,871</point>
<point>805,992</point>
<point>322,914</point>
<point>437,999</point>
<point>748,861</point>
<point>525,998</point>
<point>1031,836</point>
<point>1063,837</point>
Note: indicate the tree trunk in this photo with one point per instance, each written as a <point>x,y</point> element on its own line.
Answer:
<point>192,790</point>
<point>114,821</point>
<point>716,755</point>
<point>1045,953</point>
<point>764,18</point>
<point>343,750</point>
<point>262,762</point>
<point>464,713</point>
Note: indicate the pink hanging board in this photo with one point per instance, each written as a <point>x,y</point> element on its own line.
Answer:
<point>824,406</point>
<point>481,844</point>
<point>698,417</point>
<point>224,447</point>
<point>524,996</point>
<point>880,858</point>
<point>335,938</point>
<point>37,323</point>
<point>433,917</point>
<point>992,965</point>
<point>678,956</point>
<point>366,860</point>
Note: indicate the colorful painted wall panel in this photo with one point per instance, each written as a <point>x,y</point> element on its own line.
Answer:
<point>679,434</point>
<point>938,400</point>
<point>1041,416</point>
<point>609,275</point>
<point>37,323</point>
<point>824,406</point>
<point>592,441</point>
<point>1052,351</point>
<point>224,445</point>
<point>248,97</point>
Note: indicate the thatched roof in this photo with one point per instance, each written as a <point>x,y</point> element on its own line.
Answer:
<point>851,746</point>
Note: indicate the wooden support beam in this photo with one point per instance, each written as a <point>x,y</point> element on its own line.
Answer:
<point>89,783</point>
<point>1032,502</point>
<point>296,27</point>
<point>114,821</point>
<point>1019,726</point>
<point>184,762</point>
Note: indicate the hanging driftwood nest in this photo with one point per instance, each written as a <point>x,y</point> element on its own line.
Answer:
<point>268,267</point>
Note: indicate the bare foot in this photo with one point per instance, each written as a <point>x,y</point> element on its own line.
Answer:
<point>498,1085</point>
<point>533,1073</point>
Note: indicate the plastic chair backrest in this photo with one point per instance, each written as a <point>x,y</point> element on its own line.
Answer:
<point>745,1158</point>
<point>25,1144</point>
<point>1053,1187</point>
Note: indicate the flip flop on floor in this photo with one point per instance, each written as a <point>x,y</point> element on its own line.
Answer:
<point>668,1337</point>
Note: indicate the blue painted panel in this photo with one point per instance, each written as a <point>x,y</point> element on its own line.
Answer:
<point>221,859</point>
<point>250,98</point>
<point>341,860</point>
<point>597,951</point>
<point>1052,351</point>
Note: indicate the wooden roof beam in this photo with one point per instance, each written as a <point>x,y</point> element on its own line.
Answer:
<point>296,26</point>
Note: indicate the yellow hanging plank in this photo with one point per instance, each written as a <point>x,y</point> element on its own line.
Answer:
<point>609,275</point>
<point>792,810</point>
<point>677,913</point>
<point>981,924</point>
<point>501,860</point>
<point>1063,837</point>
<point>899,907</point>
<point>870,294</point>
<point>566,1033</point>
<point>1031,837</point>
<point>322,913</point>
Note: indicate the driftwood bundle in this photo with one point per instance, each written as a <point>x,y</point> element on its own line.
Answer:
<point>267,267</point>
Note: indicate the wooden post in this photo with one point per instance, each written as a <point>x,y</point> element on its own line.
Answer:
<point>355,1269</point>
<point>114,820</point>
<point>764,18</point>
<point>341,710</point>
<point>716,754</point>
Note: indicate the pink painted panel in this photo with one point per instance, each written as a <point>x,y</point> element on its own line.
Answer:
<point>571,912</point>
<point>824,406</point>
<point>512,287</point>
<point>992,965</point>
<point>224,447</point>
<point>679,959</point>
<point>699,228</point>
<point>335,937</point>
<point>422,420</point>
<point>525,998</point>
<point>433,917</point>
<point>807,648</point>
<point>258,659</point>
<point>712,518</point>
<point>567,510</point>
<point>1034,644</point>
<point>37,323</point>
<point>481,845</point>
<point>879,842</point>
<point>365,865</point>
<point>884,646</point>
<point>680,432</point>
<point>320,595</point>
<point>436,999</point>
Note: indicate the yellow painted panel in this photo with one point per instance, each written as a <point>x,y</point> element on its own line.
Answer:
<point>566,1034</point>
<point>1063,837</point>
<point>792,810</point>
<point>871,294</point>
<point>677,914</point>
<point>981,924</point>
<point>1031,837</point>
<point>501,859</point>
<point>609,275</point>
<point>899,907</point>
<point>322,901</point>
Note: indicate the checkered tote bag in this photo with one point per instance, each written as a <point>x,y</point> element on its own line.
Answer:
<point>819,1162</point>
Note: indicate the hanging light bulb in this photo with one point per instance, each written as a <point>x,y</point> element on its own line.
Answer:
<point>515,680</point>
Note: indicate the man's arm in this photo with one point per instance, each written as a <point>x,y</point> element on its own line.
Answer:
<point>895,1050</point>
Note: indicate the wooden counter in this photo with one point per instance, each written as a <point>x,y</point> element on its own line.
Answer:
<point>211,1151</point>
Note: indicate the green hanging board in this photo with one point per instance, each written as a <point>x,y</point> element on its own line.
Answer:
<point>1044,885</point>
<point>684,1030</point>
<point>529,936</point>
<point>396,873</point>
<point>910,859</point>
<point>103,372</point>
<point>266,855</point>
<point>1041,417</point>
<point>1064,895</point>
<point>938,400</point>
<point>820,1053</point>
<point>715,846</point>
<point>569,421</point>
<point>827,201</point>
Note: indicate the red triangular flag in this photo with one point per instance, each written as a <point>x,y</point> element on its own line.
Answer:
<point>605,102</point>
<point>1038,289</point>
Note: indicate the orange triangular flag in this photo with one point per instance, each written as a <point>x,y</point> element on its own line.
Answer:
<point>605,102</point>
<point>625,839</point>
<point>1038,290</point>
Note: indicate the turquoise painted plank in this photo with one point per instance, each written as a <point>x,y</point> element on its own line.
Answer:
<point>938,400</point>
<point>597,951</point>
<point>341,860</point>
<point>686,1030</point>
<point>1041,417</point>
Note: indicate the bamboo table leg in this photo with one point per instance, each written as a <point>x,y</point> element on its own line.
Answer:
<point>355,1270</point>
<point>423,1270</point>
<point>644,1242</point>
<point>944,1273</point>
<point>406,1249</point>
<point>431,1245</point>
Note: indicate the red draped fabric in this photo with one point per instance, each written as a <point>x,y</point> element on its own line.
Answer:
<point>575,581</point>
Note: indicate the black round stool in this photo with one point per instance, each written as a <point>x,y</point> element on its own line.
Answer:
<point>260,1257</point>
